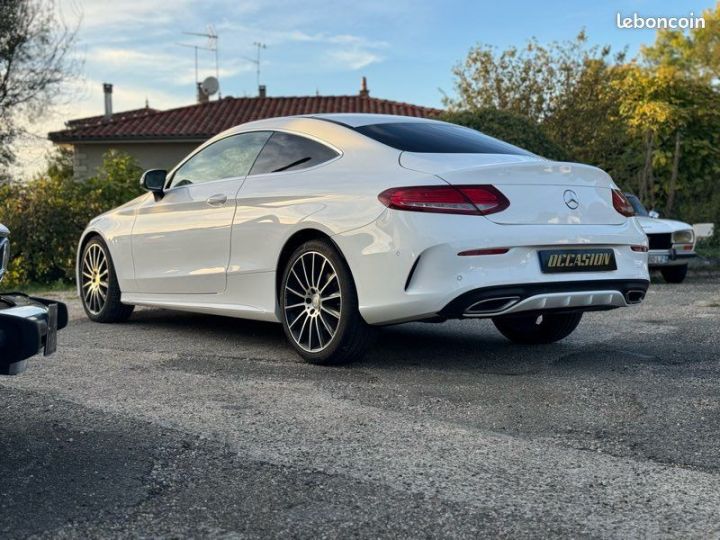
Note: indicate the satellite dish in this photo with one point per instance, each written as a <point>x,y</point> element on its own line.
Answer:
<point>210,86</point>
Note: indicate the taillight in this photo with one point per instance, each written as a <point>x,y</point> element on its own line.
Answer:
<point>471,200</point>
<point>621,204</point>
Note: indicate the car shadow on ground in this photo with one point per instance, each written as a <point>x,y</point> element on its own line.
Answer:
<point>163,319</point>
<point>454,345</point>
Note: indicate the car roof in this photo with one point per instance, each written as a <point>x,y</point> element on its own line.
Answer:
<point>318,124</point>
<point>361,119</point>
<point>336,130</point>
<point>350,120</point>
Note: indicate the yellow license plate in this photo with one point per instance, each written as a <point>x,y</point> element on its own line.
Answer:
<point>577,260</point>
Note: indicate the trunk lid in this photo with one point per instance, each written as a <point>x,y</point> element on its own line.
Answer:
<point>540,191</point>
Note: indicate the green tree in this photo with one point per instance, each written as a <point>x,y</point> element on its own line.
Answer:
<point>586,122</point>
<point>695,53</point>
<point>646,104</point>
<point>34,60</point>
<point>563,88</point>
<point>687,66</point>
<point>528,80</point>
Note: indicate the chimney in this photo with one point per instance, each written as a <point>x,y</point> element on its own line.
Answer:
<point>202,97</point>
<point>107,90</point>
<point>364,92</point>
<point>262,91</point>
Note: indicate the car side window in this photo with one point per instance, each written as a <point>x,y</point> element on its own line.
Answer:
<point>286,152</point>
<point>227,158</point>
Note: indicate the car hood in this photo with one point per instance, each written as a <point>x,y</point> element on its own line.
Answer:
<point>655,226</point>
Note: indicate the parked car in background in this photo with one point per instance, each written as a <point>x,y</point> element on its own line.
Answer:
<point>28,324</point>
<point>332,224</point>
<point>672,243</point>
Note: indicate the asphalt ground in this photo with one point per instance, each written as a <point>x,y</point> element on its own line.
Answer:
<point>183,425</point>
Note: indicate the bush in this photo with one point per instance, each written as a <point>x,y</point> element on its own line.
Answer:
<point>47,215</point>
<point>510,127</point>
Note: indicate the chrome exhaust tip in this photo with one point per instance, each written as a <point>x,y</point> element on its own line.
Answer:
<point>491,305</point>
<point>634,296</point>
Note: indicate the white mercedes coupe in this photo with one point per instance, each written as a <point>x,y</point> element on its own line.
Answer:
<point>333,224</point>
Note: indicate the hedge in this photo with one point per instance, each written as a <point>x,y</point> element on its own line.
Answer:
<point>47,215</point>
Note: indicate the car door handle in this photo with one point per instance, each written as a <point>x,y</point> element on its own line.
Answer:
<point>217,200</point>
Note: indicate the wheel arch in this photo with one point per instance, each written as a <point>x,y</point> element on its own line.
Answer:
<point>297,239</point>
<point>84,239</point>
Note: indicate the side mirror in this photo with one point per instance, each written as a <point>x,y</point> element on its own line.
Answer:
<point>654,214</point>
<point>154,181</point>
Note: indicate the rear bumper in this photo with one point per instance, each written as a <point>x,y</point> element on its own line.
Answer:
<point>407,265</point>
<point>595,295</point>
<point>28,325</point>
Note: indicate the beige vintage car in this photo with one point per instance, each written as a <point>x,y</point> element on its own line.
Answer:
<point>671,243</point>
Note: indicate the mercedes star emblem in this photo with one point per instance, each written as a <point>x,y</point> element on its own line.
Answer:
<point>571,199</point>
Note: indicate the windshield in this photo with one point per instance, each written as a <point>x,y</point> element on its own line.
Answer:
<point>640,210</point>
<point>437,138</point>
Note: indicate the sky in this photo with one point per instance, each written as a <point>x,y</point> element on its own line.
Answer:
<point>406,49</point>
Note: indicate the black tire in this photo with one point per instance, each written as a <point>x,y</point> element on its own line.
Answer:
<point>112,309</point>
<point>352,335</point>
<point>537,329</point>
<point>674,274</point>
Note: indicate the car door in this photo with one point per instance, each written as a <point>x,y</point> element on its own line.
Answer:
<point>181,242</point>
<point>282,189</point>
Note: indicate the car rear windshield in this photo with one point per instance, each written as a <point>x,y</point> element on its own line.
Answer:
<point>437,138</point>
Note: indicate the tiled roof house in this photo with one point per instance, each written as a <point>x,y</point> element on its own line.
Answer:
<point>159,139</point>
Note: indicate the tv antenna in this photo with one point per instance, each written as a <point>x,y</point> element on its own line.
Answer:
<point>212,46</point>
<point>257,60</point>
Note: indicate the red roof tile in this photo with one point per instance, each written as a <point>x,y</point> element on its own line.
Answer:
<point>134,113</point>
<point>202,121</point>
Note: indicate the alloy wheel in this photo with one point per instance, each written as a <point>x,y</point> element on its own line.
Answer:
<point>95,273</point>
<point>313,301</point>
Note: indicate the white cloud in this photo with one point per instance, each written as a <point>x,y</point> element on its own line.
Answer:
<point>95,14</point>
<point>175,69</point>
<point>228,68</point>
<point>322,37</point>
<point>146,66</point>
<point>116,57</point>
<point>340,51</point>
<point>353,59</point>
